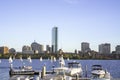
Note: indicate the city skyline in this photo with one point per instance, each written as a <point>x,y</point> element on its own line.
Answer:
<point>92,21</point>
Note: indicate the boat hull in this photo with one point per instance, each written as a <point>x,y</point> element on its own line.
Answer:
<point>12,72</point>
<point>100,79</point>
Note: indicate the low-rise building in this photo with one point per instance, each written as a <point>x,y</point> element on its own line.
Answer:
<point>4,50</point>
<point>27,49</point>
<point>37,48</point>
<point>117,49</point>
<point>12,50</point>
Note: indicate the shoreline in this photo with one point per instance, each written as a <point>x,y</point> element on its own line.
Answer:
<point>65,55</point>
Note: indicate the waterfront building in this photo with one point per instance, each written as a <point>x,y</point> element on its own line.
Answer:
<point>37,48</point>
<point>117,49</point>
<point>85,47</point>
<point>27,49</point>
<point>48,48</point>
<point>105,48</point>
<point>12,50</point>
<point>54,39</point>
<point>76,51</point>
<point>4,50</point>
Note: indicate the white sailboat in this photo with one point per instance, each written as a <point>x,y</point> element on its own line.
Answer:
<point>21,58</point>
<point>40,58</point>
<point>29,59</point>
<point>51,58</point>
<point>68,59</point>
<point>54,59</point>
<point>48,59</point>
<point>10,59</point>
<point>0,60</point>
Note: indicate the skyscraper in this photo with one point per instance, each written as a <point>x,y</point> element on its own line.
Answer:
<point>117,49</point>
<point>85,47</point>
<point>105,48</point>
<point>54,39</point>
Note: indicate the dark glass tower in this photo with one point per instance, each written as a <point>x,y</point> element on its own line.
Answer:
<point>54,39</point>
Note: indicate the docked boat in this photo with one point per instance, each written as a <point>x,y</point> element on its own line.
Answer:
<point>60,72</point>
<point>98,73</point>
<point>74,68</point>
<point>25,70</point>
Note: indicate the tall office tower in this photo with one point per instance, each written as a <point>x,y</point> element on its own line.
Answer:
<point>104,48</point>
<point>117,49</point>
<point>85,47</point>
<point>54,39</point>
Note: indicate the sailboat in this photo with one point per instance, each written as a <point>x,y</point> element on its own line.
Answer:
<point>51,58</point>
<point>48,59</point>
<point>68,59</point>
<point>21,58</point>
<point>54,59</point>
<point>0,60</point>
<point>29,59</point>
<point>10,59</point>
<point>40,58</point>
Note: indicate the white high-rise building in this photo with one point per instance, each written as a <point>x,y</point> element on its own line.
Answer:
<point>105,48</point>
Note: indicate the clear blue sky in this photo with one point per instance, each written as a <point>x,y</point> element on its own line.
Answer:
<point>93,21</point>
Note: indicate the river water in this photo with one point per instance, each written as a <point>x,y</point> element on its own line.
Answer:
<point>112,66</point>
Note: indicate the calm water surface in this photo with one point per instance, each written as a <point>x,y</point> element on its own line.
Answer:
<point>113,66</point>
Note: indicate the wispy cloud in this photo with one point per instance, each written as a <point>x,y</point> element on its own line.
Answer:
<point>72,1</point>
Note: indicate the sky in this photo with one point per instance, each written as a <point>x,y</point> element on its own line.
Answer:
<point>92,21</point>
